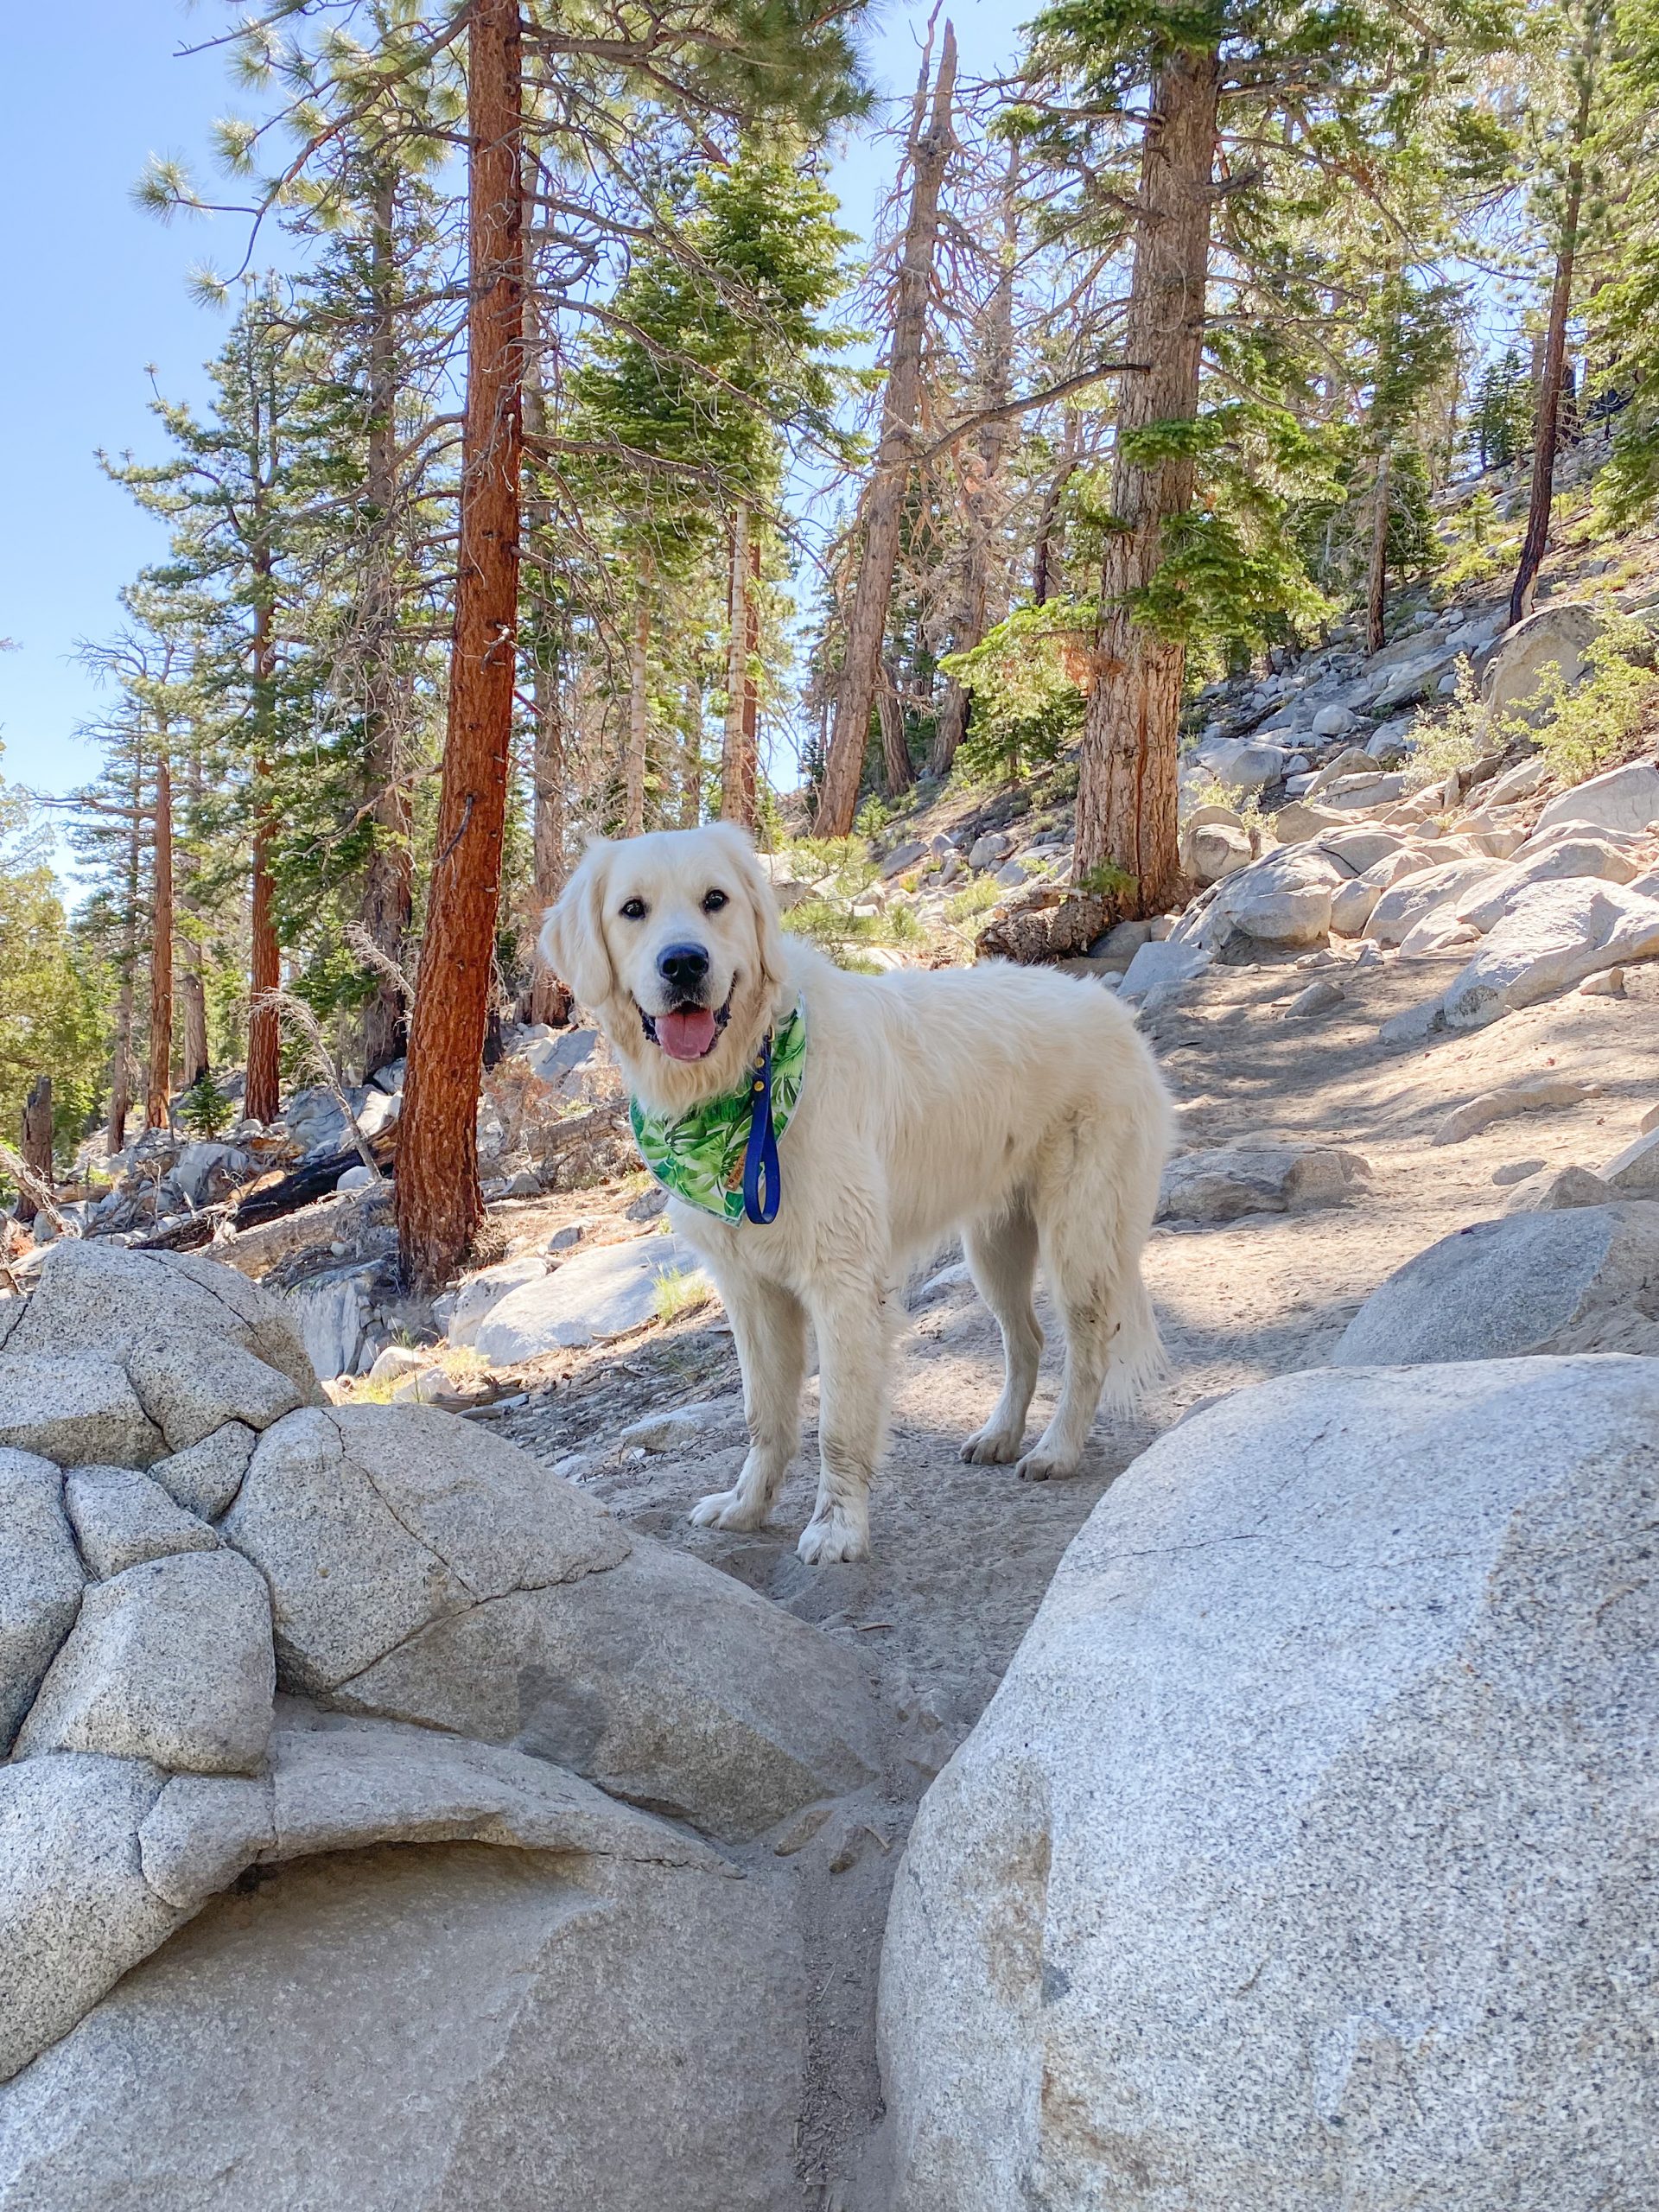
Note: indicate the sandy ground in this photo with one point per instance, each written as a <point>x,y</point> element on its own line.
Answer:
<point>963,1554</point>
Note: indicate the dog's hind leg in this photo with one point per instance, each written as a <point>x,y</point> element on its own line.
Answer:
<point>853,1328</point>
<point>770,1325</point>
<point>1092,1224</point>
<point>1002,1259</point>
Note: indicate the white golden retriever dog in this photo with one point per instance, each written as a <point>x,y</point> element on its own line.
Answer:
<point>1014,1105</point>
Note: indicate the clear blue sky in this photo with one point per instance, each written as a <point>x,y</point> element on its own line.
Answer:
<point>98,291</point>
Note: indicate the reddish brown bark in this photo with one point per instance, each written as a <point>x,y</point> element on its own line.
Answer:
<point>897,773</point>
<point>634,762</point>
<point>121,1052</point>
<point>439,1204</point>
<point>1376,575</point>
<point>930,150</point>
<point>737,760</point>
<point>158,1083</point>
<point>1130,751</point>
<point>193,984</point>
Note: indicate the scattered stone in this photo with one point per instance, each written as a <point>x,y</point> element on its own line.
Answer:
<point>41,1581</point>
<point>1311,1826</point>
<point>169,1661</point>
<point>1213,850</point>
<point>648,1204</point>
<point>1519,782</point>
<point>1561,858</point>
<point>1233,1179</point>
<point>1648,1120</point>
<point>1635,1172</point>
<point>1574,1186</point>
<point>357,1179</point>
<point>595,1294</point>
<point>1244,763</point>
<point>1556,1281</point>
<point>1163,963</point>
<point>1534,1094</point>
<point>204,1478</point>
<point>1320,997</point>
<point>121,1518</point>
<point>393,1362</point>
<point>995,845</point>
<point>676,1430</point>
<point>1518,1171</point>
<point>1301,820</point>
<point>1609,984</point>
<point>902,858</point>
<point>482,1293</point>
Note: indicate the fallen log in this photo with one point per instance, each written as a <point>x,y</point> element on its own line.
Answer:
<point>272,1197</point>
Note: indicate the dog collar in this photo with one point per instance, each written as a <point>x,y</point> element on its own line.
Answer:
<point>722,1156</point>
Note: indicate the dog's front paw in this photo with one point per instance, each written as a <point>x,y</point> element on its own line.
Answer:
<point>834,1536</point>
<point>990,1447</point>
<point>1041,1467</point>
<point>727,1508</point>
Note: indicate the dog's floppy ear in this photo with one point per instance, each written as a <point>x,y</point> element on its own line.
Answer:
<point>573,936</point>
<point>768,934</point>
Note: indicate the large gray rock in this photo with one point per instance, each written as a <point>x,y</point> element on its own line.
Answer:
<point>1585,1280</point>
<point>1281,900</point>
<point>370,1522</point>
<point>1553,936</point>
<point>1233,1179</point>
<point>1553,638</point>
<point>75,1911</point>
<point>1302,1856</point>
<point>665,1682</point>
<point>482,1293</point>
<point>327,1315</point>
<point>74,1409</point>
<point>591,1296</point>
<point>1422,892</point>
<point>452,2028</point>
<point>1562,857</point>
<point>41,1581</point>
<point>1623,799</point>
<point>97,1297</point>
<point>121,1518</point>
<point>170,1661</point>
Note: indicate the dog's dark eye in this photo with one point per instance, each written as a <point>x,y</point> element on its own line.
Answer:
<point>713,900</point>
<point>633,910</point>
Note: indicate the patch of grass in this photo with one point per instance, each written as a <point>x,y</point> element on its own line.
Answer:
<point>978,899</point>
<point>679,1290</point>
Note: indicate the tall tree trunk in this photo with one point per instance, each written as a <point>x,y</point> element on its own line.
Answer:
<point>1377,572</point>
<point>981,478</point>
<point>930,150</point>
<point>438,1201</point>
<point>1130,751</point>
<point>550,1002</point>
<point>36,1147</point>
<point>263,1095</point>
<point>737,763</point>
<point>193,985</point>
<point>159,1081</point>
<point>388,899</point>
<point>1545,428</point>
<point>896,771</point>
<point>691,756</point>
<point>115,1131</point>
<point>633,800</point>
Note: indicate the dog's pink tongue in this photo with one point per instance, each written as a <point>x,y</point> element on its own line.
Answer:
<point>688,1034</point>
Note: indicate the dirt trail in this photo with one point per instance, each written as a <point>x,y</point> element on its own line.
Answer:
<point>964,1555</point>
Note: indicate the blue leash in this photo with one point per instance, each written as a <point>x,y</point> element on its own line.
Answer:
<point>762,1184</point>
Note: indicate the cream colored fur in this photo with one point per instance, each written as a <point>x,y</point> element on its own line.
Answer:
<point>1015,1106</point>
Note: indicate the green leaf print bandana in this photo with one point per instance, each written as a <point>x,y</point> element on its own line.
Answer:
<point>699,1155</point>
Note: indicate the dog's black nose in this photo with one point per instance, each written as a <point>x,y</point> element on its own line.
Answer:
<point>684,968</point>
